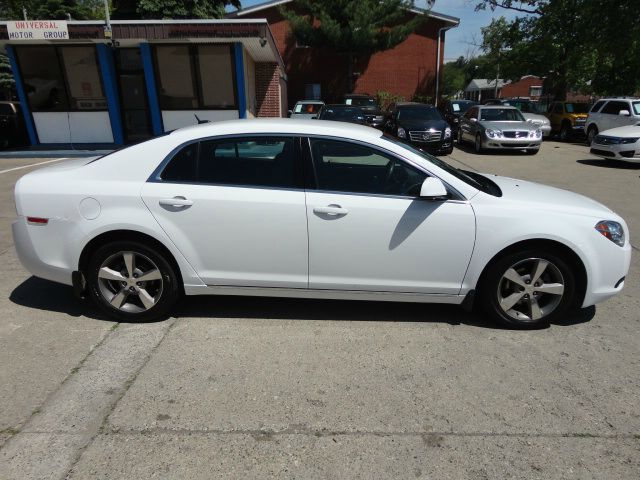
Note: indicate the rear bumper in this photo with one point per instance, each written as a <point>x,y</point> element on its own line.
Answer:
<point>31,255</point>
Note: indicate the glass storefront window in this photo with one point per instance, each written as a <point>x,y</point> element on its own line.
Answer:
<point>216,76</point>
<point>43,79</point>
<point>83,78</point>
<point>175,80</point>
<point>195,77</point>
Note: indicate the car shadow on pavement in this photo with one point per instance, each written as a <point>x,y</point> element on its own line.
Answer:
<point>469,148</point>
<point>605,163</point>
<point>49,296</point>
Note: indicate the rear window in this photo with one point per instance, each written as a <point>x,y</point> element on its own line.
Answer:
<point>361,101</point>
<point>307,108</point>
<point>636,107</point>
<point>576,107</point>
<point>614,107</point>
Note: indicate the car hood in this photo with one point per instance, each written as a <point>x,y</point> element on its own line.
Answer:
<point>535,116</point>
<point>548,198</point>
<point>423,124</point>
<point>629,131</point>
<point>508,125</point>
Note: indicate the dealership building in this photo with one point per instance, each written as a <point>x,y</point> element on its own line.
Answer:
<point>82,83</point>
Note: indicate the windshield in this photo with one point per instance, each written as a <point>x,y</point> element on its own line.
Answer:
<point>636,107</point>
<point>526,107</point>
<point>361,101</point>
<point>576,107</point>
<point>501,115</point>
<point>307,107</point>
<point>418,113</point>
<point>476,180</point>
<point>461,107</point>
<point>333,113</point>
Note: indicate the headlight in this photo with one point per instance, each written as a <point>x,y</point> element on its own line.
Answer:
<point>535,134</point>
<point>456,120</point>
<point>612,230</point>
<point>447,132</point>
<point>627,141</point>
<point>493,133</point>
<point>402,132</point>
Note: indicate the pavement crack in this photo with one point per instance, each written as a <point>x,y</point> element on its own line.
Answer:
<point>112,406</point>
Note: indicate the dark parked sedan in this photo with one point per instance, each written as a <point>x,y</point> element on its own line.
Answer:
<point>421,125</point>
<point>342,113</point>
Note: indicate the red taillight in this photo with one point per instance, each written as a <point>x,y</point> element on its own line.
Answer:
<point>37,220</point>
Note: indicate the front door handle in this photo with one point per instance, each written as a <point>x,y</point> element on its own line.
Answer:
<point>331,210</point>
<point>176,202</point>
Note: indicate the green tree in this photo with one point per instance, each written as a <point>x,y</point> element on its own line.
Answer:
<point>7,83</point>
<point>352,27</point>
<point>453,77</point>
<point>52,9</point>
<point>585,44</point>
<point>152,9</point>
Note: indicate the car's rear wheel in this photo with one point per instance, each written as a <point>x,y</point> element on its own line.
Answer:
<point>591,134</point>
<point>478,144</point>
<point>132,282</point>
<point>528,289</point>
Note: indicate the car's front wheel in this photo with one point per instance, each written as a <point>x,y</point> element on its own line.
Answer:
<point>528,289</point>
<point>565,132</point>
<point>132,282</point>
<point>591,134</point>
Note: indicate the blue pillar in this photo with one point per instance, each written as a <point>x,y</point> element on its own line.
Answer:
<point>22,95</point>
<point>152,93</point>
<point>110,83</point>
<point>242,98</point>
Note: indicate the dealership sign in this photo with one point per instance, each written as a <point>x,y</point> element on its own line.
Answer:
<point>38,30</point>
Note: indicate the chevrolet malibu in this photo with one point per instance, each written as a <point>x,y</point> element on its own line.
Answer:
<point>293,208</point>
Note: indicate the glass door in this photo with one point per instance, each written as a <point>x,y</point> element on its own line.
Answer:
<point>133,95</point>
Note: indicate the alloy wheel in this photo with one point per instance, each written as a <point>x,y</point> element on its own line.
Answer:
<point>130,282</point>
<point>530,289</point>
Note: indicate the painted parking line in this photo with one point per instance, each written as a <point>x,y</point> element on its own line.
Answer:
<point>31,165</point>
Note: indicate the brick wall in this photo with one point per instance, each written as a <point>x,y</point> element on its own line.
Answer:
<point>405,70</point>
<point>268,90</point>
<point>521,87</point>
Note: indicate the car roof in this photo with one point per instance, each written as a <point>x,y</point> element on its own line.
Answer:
<point>275,126</point>
<point>342,105</point>
<point>357,95</point>
<point>497,107</point>
<point>319,102</point>
<point>414,104</point>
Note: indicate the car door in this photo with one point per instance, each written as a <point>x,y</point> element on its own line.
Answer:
<point>610,115</point>
<point>235,208</point>
<point>369,230</point>
<point>467,126</point>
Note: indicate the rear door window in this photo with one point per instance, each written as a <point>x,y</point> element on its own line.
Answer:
<point>614,107</point>
<point>251,162</point>
<point>597,106</point>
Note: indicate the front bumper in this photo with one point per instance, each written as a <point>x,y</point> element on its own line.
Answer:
<point>442,147</point>
<point>511,143</point>
<point>624,152</point>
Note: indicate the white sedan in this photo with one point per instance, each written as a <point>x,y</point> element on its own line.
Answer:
<point>317,210</point>
<point>621,143</point>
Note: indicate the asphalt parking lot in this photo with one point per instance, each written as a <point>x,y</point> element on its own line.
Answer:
<point>278,388</point>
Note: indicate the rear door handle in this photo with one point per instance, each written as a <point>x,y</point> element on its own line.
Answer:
<point>331,210</point>
<point>176,202</point>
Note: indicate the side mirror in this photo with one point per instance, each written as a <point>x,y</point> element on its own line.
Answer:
<point>289,112</point>
<point>625,113</point>
<point>433,189</point>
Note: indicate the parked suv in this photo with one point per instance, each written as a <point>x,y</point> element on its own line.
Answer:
<point>13,130</point>
<point>568,118</point>
<point>610,113</point>
<point>368,104</point>
<point>421,125</point>
<point>452,110</point>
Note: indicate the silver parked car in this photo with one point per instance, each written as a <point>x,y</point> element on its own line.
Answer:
<point>306,109</point>
<point>498,127</point>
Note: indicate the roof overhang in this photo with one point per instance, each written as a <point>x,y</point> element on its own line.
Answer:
<point>254,34</point>
<point>453,21</point>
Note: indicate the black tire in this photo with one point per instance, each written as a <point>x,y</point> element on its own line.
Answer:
<point>565,132</point>
<point>167,289</point>
<point>591,134</point>
<point>494,285</point>
<point>477,145</point>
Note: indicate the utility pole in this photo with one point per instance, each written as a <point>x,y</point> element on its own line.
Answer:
<point>107,28</point>
<point>24,13</point>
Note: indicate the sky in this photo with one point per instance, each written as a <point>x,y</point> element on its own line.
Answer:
<point>459,41</point>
